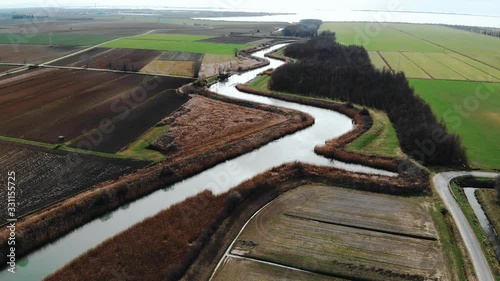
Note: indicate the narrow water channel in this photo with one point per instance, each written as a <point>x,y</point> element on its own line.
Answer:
<point>296,147</point>
<point>483,220</point>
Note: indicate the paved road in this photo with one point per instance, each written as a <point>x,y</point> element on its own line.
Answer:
<point>441,182</point>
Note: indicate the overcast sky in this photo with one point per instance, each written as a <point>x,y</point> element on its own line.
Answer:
<point>481,7</point>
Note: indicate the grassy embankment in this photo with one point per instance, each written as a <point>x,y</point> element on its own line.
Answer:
<point>380,140</point>
<point>177,43</point>
<point>448,235</point>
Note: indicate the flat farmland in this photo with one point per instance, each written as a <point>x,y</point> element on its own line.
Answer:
<point>378,37</point>
<point>425,51</point>
<point>45,175</point>
<point>341,232</point>
<point>235,268</point>
<point>399,62</point>
<point>33,53</point>
<point>478,128</point>
<point>180,56</point>
<point>434,68</point>
<point>117,59</point>
<point>4,68</point>
<point>461,41</point>
<point>494,72</point>
<point>178,68</point>
<point>464,69</point>
<point>231,39</point>
<point>42,104</point>
<point>177,43</point>
<point>72,39</point>
<point>375,57</point>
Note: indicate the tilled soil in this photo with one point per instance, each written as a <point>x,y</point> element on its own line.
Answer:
<point>45,176</point>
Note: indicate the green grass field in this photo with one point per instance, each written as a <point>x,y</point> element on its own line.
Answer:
<point>434,68</point>
<point>453,39</point>
<point>465,70</point>
<point>400,62</point>
<point>442,52</point>
<point>57,39</point>
<point>495,73</point>
<point>377,60</point>
<point>380,140</point>
<point>378,37</point>
<point>176,43</point>
<point>477,121</point>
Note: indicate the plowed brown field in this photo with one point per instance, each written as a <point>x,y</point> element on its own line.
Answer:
<point>43,104</point>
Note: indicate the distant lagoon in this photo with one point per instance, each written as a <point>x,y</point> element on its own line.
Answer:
<point>375,16</point>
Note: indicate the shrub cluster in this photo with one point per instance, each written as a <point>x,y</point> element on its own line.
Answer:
<point>328,69</point>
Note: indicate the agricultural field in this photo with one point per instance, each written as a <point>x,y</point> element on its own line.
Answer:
<point>33,54</point>
<point>258,271</point>
<point>99,111</point>
<point>399,62</point>
<point>136,60</point>
<point>46,175</point>
<point>378,37</point>
<point>425,51</point>
<point>177,43</point>
<point>471,110</point>
<point>116,59</point>
<point>55,39</point>
<point>341,232</point>
<point>5,68</point>
<point>376,59</point>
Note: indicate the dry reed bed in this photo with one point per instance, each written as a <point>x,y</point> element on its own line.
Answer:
<point>48,225</point>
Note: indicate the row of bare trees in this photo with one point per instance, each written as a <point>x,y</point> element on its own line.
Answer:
<point>328,69</point>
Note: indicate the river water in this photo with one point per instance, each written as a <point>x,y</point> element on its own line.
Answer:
<point>483,220</point>
<point>296,147</point>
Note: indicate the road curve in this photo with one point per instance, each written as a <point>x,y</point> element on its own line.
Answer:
<point>441,182</point>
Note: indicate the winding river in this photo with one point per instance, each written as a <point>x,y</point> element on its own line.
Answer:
<point>296,147</point>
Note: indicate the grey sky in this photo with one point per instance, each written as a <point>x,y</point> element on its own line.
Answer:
<point>484,7</point>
